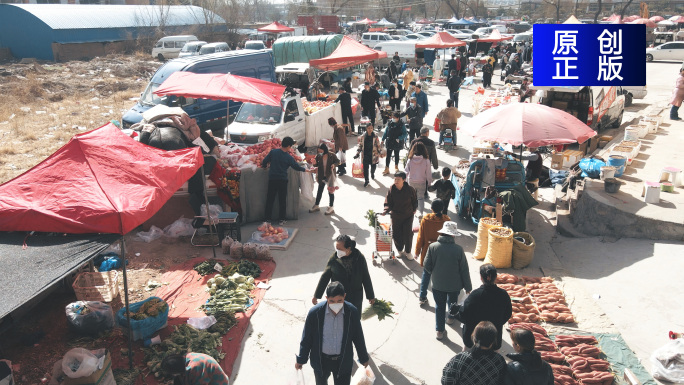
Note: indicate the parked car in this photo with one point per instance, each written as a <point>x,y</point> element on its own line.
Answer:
<point>523,38</point>
<point>668,51</point>
<point>370,39</point>
<point>191,48</point>
<point>399,37</point>
<point>634,92</point>
<point>415,36</point>
<point>214,48</point>
<point>255,44</point>
<point>427,33</point>
<point>169,47</point>
<point>210,114</point>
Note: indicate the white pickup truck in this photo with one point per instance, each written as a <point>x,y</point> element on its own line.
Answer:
<point>256,123</point>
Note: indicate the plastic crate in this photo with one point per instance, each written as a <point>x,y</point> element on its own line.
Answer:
<point>103,287</point>
<point>142,329</point>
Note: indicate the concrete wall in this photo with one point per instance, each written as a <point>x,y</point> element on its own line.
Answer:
<point>596,215</point>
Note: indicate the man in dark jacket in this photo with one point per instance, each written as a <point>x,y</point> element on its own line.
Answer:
<point>369,99</point>
<point>348,85</point>
<point>395,92</point>
<point>447,266</point>
<point>429,144</point>
<point>345,103</point>
<point>401,202</point>
<point>329,331</point>
<point>394,137</point>
<point>451,66</point>
<point>279,160</point>
<point>415,117</point>
<point>487,72</point>
<point>486,303</point>
<point>454,85</point>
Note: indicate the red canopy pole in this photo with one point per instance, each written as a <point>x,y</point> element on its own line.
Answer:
<point>128,308</point>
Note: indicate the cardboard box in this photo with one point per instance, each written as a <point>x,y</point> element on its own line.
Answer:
<point>103,376</point>
<point>571,157</point>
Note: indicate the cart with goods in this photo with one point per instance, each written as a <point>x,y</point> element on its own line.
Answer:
<point>383,239</point>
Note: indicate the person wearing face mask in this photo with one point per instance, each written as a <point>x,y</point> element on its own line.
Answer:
<point>330,329</point>
<point>401,203</point>
<point>394,137</point>
<point>325,169</point>
<point>415,117</point>
<point>369,99</point>
<point>395,92</point>
<point>348,266</point>
<point>369,149</point>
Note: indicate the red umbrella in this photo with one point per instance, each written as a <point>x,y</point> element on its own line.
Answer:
<point>647,22</point>
<point>349,53</point>
<point>275,27</point>
<point>440,40</point>
<point>630,18</point>
<point>677,19</point>
<point>530,124</point>
<point>222,87</point>
<point>366,21</point>
<point>656,19</point>
<point>494,37</point>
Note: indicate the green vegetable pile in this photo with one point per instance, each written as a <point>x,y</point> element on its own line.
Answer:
<point>228,294</point>
<point>242,267</point>
<point>370,215</point>
<point>207,267</point>
<point>184,339</point>
<point>382,309</point>
<point>225,320</point>
<point>151,308</point>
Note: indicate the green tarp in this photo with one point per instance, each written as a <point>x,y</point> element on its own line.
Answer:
<point>301,49</point>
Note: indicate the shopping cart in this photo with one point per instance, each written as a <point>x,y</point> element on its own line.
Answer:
<point>383,240</point>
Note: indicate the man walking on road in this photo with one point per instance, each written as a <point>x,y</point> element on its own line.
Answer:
<point>415,117</point>
<point>369,99</point>
<point>347,115</point>
<point>454,85</point>
<point>401,203</point>
<point>329,331</point>
<point>421,99</point>
<point>451,66</point>
<point>447,266</point>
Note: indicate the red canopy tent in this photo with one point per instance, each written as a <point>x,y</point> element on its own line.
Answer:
<point>366,21</point>
<point>349,53</point>
<point>423,21</point>
<point>102,181</point>
<point>275,27</point>
<point>222,87</point>
<point>440,40</point>
<point>656,19</point>
<point>647,22</point>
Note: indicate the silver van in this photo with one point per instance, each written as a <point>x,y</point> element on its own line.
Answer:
<point>169,47</point>
<point>371,39</point>
<point>214,48</point>
<point>191,48</point>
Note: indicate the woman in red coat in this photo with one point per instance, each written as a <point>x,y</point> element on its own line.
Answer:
<point>677,95</point>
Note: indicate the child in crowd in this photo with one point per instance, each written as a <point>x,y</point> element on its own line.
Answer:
<point>445,189</point>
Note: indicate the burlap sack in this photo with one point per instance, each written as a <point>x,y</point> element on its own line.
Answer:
<point>500,247</point>
<point>483,236</point>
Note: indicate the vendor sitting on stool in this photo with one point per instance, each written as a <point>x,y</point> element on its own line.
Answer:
<point>534,164</point>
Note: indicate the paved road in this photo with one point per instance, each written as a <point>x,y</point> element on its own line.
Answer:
<point>637,281</point>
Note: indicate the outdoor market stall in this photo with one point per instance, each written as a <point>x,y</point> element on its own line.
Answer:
<point>238,175</point>
<point>348,54</point>
<point>494,98</point>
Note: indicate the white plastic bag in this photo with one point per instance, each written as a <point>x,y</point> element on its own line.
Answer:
<point>306,186</point>
<point>89,317</point>
<point>363,376</point>
<point>201,323</point>
<point>149,236</point>
<point>182,227</point>
<point>297,378</point>
<point>214,210</point>
<point>79,363</point>
<point>668,362</point>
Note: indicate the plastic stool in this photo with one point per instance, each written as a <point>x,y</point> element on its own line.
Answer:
<point>651,192</point>
<point>674,172</point>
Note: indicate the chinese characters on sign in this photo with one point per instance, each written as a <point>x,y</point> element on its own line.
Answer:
<point>610,44</point>
<point>565,44</point>
<point>589,55</point>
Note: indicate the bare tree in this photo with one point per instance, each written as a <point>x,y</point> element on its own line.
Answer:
<point>598,11</point>
<point>624,9</point>
<point>557,5</point>
<point>337,5</point>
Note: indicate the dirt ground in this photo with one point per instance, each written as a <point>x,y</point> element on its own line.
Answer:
<point>45,104</point>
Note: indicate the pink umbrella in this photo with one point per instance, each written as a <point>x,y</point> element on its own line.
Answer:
<point>530,124</point>
<point>630,18</point>
<point>656,19</point>
<point>677,19</point>
<point>647,22</point>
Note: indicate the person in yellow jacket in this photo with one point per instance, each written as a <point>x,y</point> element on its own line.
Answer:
<point>429,225</point>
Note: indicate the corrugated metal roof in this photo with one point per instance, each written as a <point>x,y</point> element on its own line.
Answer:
<point>84,16</point>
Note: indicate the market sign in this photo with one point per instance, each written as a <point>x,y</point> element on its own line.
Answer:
<point>589,55</point>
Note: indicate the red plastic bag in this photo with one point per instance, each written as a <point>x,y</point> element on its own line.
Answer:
<point>357,169</point>
<point>437,123</point>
